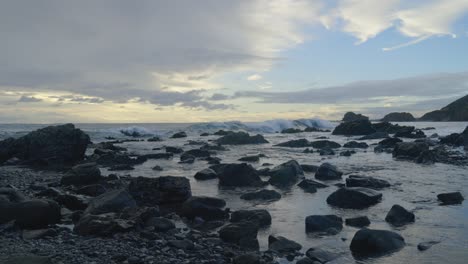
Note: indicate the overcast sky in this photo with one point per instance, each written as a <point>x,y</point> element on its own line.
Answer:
<point>216,60</point>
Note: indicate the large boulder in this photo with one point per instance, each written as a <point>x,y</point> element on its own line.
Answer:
<point>263,195</point>
<point>207,208</point>
<point>311,186</point>
<point>351,116</point>
<point>282,245</point>
<point>260,216</point>
<point>54,146</point>
<point>237,175</point>
<point>399,216</point>
<point>359,221</point>
<point>450,198</point>
<point>286,174</point>
<point>328,172</point>
<point>373,243</point>
<point>166,190</point>
<point>82,174</point>
<point>364,181</point>
<point>206,174</point>
<point>33,214</point>
<point>327,224</point>
<point>409,150</point>
<point>113,201</point>
<point>398,117</point>
<point>354,198</point>
<point>244,234</point>
<point>354,128</point>
<point>241,138</point>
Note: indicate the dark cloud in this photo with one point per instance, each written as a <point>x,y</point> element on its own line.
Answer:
<point>29,99</point>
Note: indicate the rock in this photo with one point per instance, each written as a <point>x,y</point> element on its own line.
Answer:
<point>328,172</point>
<point>187,159</point>
<point>255,158</point>
<point>207,208</point>
<point>181,134</point>
<point>282,245</point>
<point>157,168</point>
<point>54,146</point>
<point>265,195</point>
<point>241,138</point>
<point>450,198</point>
<point>355,144</point>
<point>285,174</point>
<point>389,142</point>
<point>206,174</point>
<point>30,259</point>
<point>156,156</point>
<point>347,153</point>
<point>306,260</point>
<point>221,133</point>
<point>297,143</point>
<point>247,259</point>
<point>455,111</point>
<point>174,150</point>
<point>373,243</point>
<point>360,221</point>
<point>399,117</point>
<point>413,134</point>
<point>11,195</point>
<point>260,216</point>
<point>121,167</point>
<point>82,174</point>
<point>204,134</point>
<point>113,201</point>
<point>291,131</point>
<point>167,190</point>
<point>350,117</point>
<point>354,128</point>
<point>399,216</point>
<point>326,152</point>
<point>423,246</point>
<point>198,153</point>
<point>238,175</point>
<point>309,168</point>
<point>182,244</point>
<point>409,150</point>
<point>73,202</point>
<point>31,214</point>
<point>368,182</point>
<point>102,225</point>
<point>324,144</point>
<point>91,190</point>
<point>354,198</point>
<point>327,224</point>
<point>375,135</point>
<point>244,234</point>
<point>311,186</point>
<point>154,139</point>
<point>321,255</point>
<point>160,224</point>
<point>39,233</point>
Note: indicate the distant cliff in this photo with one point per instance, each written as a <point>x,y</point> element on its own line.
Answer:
<point>456,111</point>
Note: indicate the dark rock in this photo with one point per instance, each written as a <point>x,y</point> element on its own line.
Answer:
<point>160,224</point>
<point>160,191</point>
<point>347,153</point>
<point>324,144</point>
<point>321,255</point>
<point>11,195</point>
<point>328,172</point>
<point>73,202</point>
<point>243,234</point>
<point>121,167</point>
<point>154,139</point>
<point>399,117</point>
<point>375,135</point>
<point>179,135</point>
<point>221,133</point>
<point>409,150</point>
<point>198,153</point>
<point>260,216</point>
<point>206,174</point>
<point>309,168</point>
<point>30,214</point>
<point>82,174</point>
<point>30,259</point>
<point>306,260</point>
<point>389,142</point>
<point>238,175</point>
<point>54,146</point>
<point>255,158</point>
<point>286,174</point>
<point>39,233</point>
<point>450,198</point>
<point>92,190</point>
<point>355,144</point>
<point>241,138</point>
<point>354,128</point>
<point>113,201</point>
<point>350,117</point>
<point>354,198</point>
<point>311,186</point>
<point>368,182</point>
<point>266,195</point>
<point>399,216</point>
<point>328,224</point>
<point>297,143</point>
<point>182,244</point>
<point>174,150</point>
<point>423,246</point>
<point>102,225</point>
<point>360,221</point>
<point>187,159</point>
<point>414,134</point>
<point>156,156</point>
<point>282,245</point>
<point>247,259</point>
<point>291,131</point>
<point>157,168</point>
<point>372,243</point>
<point>207,208</point>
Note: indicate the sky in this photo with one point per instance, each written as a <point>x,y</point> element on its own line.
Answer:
<point>122,61</point>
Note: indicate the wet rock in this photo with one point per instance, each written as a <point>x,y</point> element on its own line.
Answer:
<point>198,153</point>
<point>54,146</point>
<point>372,243</point>
<point>184,244</point>
<point>351,116</point>
<point>92,190</point>
<point>39,233</point>
<point>347,153</point>
<point>355,144</point>
<point>324,144</point>
<point>187,159</point>
<point>283,245</point>
<point>11,195</point>
<point>260,216</point>
<point>297,143</point>
<point>327,224</point>
<point>255,158</point>
<point>174,150</point>
<point>247,259</point>
<point>389,142</point>
<point>368,182</point>
<point>102,225</point>
<point>328,172</point>
<point>450,198</point>
<point>360,221</point>
<point>207,208</point>
<point>113,201</point>
<point>221,132</point>
<point>321,255</point>
<point>82,174</point>
<point>311,186</point>
<point>154,139</point>
<point>306,260</point>
<point>309,168</point>
<point>243,234</point>
<point>265,195</point>
<point>165,190</point>
<point>73,202</point>
<point>326,152</point>
<point>157,168</point>
<point>291,131</point>
<point>206,174</point>
<point>181,134</point>
<point>160,224</point>
<point>354,198</point>
<point>361,127</point>
<point>375,135</point>
<point>286,174</point>
<point>423,246</point>
<point>241,138</point>
<point>121,167</point>
<point>409,150</point>
<point>31,214</point>
<point>238,175</point>
<point>399,216</point>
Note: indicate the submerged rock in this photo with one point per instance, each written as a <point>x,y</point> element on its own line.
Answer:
<point>373,243</point>
<point>266,195</point>
<point>329,224</point>
<point>179,135</point>
<point>355,144</point>
<point>283,245</point>
<point>423,246</point>
<point>309,168</point>
<point>324,144</point>
<point>286,174</point>
<point>255,158</point>
<point>241,138</point>
<point>297,143</point>
<point>328,172</point>
<point>399,216</point>
<point>368,182</point>
<point>450,198</point>
<point>354,198</point>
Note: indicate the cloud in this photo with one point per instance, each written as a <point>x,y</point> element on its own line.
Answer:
<point>29,99</point>
<point>254,77</point>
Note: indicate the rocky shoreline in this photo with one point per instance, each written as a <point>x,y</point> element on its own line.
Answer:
<point>57,207</point>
